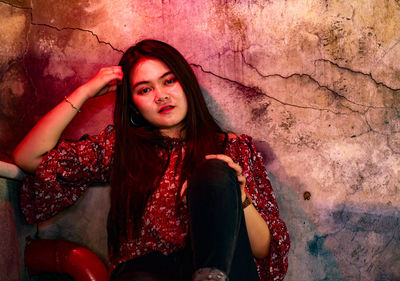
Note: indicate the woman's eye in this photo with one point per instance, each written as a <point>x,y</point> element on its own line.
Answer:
<point>143,91</point>
<point>170,81</point>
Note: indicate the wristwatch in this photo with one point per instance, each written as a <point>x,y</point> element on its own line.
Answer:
<point>246,201</point>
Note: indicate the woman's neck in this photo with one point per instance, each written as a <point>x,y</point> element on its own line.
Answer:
<point>174,133</point>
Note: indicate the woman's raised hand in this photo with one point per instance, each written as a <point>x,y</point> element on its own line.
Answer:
<point>104,82</point>
<point>46,133</point>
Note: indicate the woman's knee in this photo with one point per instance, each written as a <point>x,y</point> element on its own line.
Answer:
<point>213,175</point>
<point>213,171</point>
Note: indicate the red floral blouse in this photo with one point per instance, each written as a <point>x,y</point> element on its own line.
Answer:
<point>66,172</point>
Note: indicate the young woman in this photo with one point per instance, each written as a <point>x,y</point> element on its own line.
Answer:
<point>188,201</point>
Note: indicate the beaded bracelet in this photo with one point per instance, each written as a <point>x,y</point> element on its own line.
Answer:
<point>73,106</point>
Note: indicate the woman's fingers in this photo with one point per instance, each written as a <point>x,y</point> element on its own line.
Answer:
<point>183,192</point>
<point>117,72</point>
<point>183,189</point>
<point>108,74</point>
<point>236,167</point>
<point>111,75</point>
<point>228,160</point>
<point>241,179</point>
<point>223,157</point>
<point>105,80</point>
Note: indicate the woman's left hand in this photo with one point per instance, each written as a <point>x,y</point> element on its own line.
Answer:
<point>236,167</point>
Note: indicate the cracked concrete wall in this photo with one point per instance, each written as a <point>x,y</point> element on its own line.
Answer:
<point>316,83</point>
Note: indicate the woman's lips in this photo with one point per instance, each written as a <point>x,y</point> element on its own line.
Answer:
<point>166,109</point>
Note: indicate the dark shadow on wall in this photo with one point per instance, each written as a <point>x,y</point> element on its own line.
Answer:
<point>216,111</point>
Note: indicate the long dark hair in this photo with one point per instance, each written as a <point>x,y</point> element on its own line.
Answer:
<point>137,169</point>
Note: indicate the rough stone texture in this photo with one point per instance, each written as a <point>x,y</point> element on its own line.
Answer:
<point>83,223</point>
<point>13,233</point>
<point>10,265</point>
<point>316,83</point>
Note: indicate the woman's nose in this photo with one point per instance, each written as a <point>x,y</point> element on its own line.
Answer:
<point>162,100</point>
<point>161,96</point>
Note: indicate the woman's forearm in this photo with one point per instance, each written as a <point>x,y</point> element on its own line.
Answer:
<point>258,231</point>
<point>46,133</point>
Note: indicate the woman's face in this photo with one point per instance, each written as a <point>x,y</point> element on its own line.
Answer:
<point>158,96</point>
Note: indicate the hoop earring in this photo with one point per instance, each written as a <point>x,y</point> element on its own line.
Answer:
<point>136,119</point>
<point>133,123</point>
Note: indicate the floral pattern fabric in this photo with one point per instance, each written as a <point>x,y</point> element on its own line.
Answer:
<point>68,170</point>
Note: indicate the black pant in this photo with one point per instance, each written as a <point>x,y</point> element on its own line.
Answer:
<point>218,235</point>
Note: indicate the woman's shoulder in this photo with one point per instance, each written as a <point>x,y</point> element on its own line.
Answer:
<point>108,134</point>
<point>105,137</point>
<point>110,128</point>
<point>231,137</point>
<point>108,131</point>
<point>238,144</point>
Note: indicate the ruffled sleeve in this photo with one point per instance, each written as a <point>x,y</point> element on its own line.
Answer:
<point>242,151</point>
<point>65,173</point>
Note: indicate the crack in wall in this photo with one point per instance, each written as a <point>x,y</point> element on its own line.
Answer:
<point>63,28</point>
<point>301,75</point>
<point>79,29</point>
<point>386,52</point>
<point>312,79</point>
<point>369,75</point>
<point>304,75</point>
<point>15,6</point>
<point>387,136</point>
<point>258,91</point>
